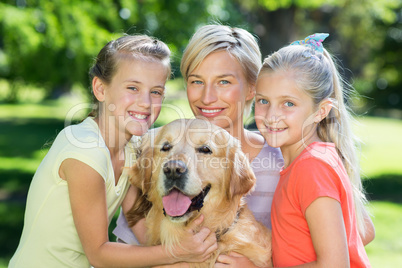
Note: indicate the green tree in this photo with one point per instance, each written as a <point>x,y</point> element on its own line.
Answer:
<point>365,36</point>
<point>51,43</point>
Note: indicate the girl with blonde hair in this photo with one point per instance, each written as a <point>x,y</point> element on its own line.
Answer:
<point>318,213</point>
<point>82,182</point>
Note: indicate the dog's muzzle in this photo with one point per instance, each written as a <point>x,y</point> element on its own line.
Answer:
<point>176,174</point>
<point>176,203</point>
<point>196,203</point>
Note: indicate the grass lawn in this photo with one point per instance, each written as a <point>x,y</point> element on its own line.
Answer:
<point>385,250</point>
<point>380,162</point>
<point>26,130</point>
<point>381,145</point>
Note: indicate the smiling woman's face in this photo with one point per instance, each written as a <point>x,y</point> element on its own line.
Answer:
<point>217,90</point>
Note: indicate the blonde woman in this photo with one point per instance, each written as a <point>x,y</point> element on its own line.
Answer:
<point>80,184</point>
<point>220,66</point>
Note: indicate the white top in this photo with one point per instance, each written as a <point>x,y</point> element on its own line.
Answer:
<point>49,237</point>
<point>266,166</point>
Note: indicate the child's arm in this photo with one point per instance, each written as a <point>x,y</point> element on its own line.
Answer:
<point>88,203</point>
<point>325,221</point>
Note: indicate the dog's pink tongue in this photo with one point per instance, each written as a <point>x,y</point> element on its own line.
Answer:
<point>176,203</point>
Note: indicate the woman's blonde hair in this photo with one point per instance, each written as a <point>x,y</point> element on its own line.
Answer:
<point>317,74</point>
<point>140,47</point>
<point>238,42</point>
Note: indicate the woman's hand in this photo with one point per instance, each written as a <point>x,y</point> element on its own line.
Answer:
<point>196,246</point>
<point>176,265</point>
<point>233,260</point>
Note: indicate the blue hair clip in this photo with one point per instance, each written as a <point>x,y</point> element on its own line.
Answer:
<point>313,41</point>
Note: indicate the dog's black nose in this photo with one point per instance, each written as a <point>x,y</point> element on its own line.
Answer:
<point>174,169</point>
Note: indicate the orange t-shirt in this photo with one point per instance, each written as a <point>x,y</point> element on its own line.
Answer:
<point>316,172</point>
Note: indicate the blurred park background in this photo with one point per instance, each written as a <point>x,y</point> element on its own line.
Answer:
<point>47,47</point>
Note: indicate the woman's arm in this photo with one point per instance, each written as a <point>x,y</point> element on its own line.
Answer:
<point>370,230</point>
<point>88,202</point>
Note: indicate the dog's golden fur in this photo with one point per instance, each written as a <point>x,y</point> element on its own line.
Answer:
<point>225,168</point>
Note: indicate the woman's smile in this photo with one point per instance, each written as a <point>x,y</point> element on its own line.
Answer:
<point>210,112</point>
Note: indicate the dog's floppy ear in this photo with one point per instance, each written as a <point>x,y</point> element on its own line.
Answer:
<point>140,177</point>
<point>242,178</point>
<point>141,172</point>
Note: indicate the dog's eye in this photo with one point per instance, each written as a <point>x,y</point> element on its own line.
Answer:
<point>166,147</point>
<point>204,149</point>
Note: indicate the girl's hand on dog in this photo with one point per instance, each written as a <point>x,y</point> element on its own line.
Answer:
<point>196,246</point>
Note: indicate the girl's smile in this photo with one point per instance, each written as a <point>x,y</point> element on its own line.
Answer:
<point>134,97</point>
<point>284,114</point>
<point>139,116</point>
<point>274,130</point>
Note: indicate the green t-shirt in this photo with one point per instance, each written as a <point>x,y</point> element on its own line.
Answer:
<point>49,237</point>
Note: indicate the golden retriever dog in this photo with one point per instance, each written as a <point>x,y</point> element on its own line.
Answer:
<point>191,166</point>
